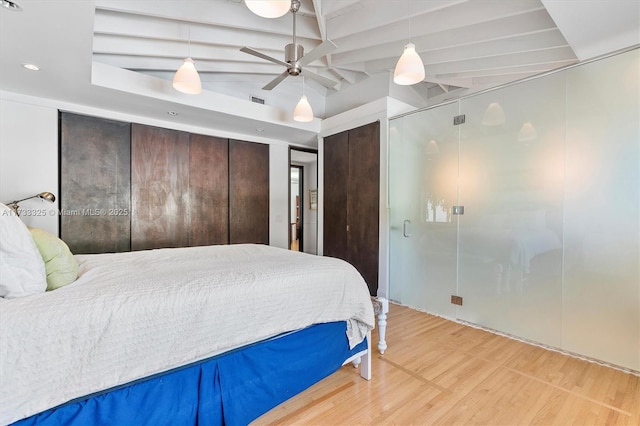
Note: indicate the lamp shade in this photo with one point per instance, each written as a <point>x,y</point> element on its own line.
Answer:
<point>187,79</point>
<point>47,196</point>
<point>269,8</point>
<point>527,133</point>
<point>409,69</point>
<point>303,110</point>
<point>493,115</point>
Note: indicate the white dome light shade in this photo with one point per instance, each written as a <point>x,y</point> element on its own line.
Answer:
<point>527,133</point>
<point>187,79</point>
<point>409,69</point>
<point>269,8</point>
<point>493,115</point>
<point>303,110</point>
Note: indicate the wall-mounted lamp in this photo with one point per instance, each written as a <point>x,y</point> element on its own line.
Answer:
<point>269,8</point>
<point>43,195</point>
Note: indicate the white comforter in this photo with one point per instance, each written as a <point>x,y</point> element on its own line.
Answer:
<point>130,315</point>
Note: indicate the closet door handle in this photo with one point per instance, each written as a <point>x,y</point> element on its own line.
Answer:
<point>406,231</point>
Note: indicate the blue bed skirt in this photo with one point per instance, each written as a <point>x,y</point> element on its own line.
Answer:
<point>233,388</point>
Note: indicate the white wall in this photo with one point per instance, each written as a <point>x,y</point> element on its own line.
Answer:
<point>29,160</point>
<point>279,196</point>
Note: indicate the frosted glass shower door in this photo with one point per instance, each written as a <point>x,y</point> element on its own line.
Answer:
<point>423,170</point>
<point>511,185</point>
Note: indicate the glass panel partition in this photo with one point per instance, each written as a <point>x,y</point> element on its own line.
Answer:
<point>548,172</point>
<point>423,172</point>
<point>511,178</point>
<point>602,213</point>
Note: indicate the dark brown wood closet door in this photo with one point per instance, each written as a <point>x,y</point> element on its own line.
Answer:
<point>248,192</point>
<point>364,202</point>
<point>336,174</point>
<point>94,184</point>
<point>209,190</point>
<point>159,188</point>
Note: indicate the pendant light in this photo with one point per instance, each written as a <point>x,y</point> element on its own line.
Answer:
<point>527,133</point>
<point>186,79</point>
<point>493,115</point>
<point>303,111</point>
<point>269,8</point>
<point>409,69</point>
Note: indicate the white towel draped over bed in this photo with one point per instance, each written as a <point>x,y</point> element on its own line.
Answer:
<point>131,315</point>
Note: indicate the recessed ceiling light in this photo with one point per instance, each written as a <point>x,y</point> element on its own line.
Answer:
<point>11,5</point>
<point>31,67</point>
<point>172,113</point>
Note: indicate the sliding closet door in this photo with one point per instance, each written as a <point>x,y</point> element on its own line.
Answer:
<point>248,192</point>
<point>363,204</point>
<point>352,199</point>
<point>208,190</point>
<point>336,176</point>
<point>159,188</point>
<point>423,175</point>
<point>94,184</point>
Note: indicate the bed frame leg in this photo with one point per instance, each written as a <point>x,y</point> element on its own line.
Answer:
<point>365,367</point>
<point>382,324</point>
<point>363,360</point>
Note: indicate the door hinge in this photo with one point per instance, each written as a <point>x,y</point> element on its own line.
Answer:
<point>456,210</point>
<point>456,300</point>
<point>458,119</point>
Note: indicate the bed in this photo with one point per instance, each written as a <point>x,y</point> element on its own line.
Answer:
<point>200,335</point>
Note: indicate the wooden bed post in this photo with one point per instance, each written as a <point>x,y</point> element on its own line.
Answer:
<point>363,360</point>
<point>365,368</point>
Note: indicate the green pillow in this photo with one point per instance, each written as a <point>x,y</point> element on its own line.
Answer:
<point>60,265</point>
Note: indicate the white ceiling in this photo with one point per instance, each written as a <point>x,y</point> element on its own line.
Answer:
<point>121,55</point>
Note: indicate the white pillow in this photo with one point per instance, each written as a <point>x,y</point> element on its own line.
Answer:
<point>21,266</point>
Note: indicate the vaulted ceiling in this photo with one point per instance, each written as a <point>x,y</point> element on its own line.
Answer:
<point>463,43</point>
<point>121,55</point>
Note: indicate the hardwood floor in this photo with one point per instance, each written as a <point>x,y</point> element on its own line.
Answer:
<point>436,371</point>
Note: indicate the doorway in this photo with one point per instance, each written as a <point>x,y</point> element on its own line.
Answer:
<point>303,207</point>
<point>296,214</point>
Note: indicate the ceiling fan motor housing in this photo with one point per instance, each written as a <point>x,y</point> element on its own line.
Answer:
<point>292,54</point>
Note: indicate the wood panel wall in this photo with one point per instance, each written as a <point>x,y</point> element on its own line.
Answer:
<point>248,192</point>
<point>94,181</point>
<point>159,188</point>
<point>209,190</point>
<point>178,189</point>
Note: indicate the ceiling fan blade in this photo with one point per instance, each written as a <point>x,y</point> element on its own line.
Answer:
<point>327,82</point>
<point>322,49</point>
<point>273,83</point>
<point>253,52</point>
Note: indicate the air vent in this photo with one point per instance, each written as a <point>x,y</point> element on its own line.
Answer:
<point>257,100</point>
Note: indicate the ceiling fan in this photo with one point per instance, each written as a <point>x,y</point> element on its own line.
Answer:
<point>295,59</point>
